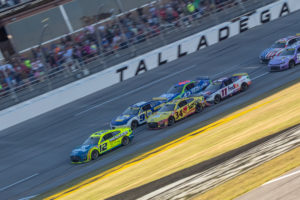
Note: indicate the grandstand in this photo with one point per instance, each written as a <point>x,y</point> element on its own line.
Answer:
<point>58,58</point>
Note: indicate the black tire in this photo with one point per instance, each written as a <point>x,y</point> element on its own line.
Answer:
<point>94,155</point>
<point>217,99</point>
<point>125,141</point>
<point>171,121</point>
<point>291,64</point>
<point>199,108</point>
<point>244,87</point>
<point>134,124</point>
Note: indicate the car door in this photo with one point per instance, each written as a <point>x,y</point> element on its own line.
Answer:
<point>145,112</point>
<point>298,55</point>
<point>116,139</point>
<point>180,110</point>
<point>188,90</point>
<point>105,143</point>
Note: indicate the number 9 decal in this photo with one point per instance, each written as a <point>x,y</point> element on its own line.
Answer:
<point>142,117</point>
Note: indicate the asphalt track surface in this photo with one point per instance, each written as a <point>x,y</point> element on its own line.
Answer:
<point>35,154</point>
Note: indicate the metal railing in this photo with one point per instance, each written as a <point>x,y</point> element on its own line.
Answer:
<point>73,70</point>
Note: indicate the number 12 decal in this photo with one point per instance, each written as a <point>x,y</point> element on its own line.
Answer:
<point>103,147</point>
<point>224,92</point>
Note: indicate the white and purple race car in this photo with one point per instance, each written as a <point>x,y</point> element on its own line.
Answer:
<point>287,59</point>
<point>277,47</point>
<point>225,87</point>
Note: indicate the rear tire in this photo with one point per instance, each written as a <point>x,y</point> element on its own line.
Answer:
<point>171,121</point>
<point>199,108</point>
<point>94,155</point>
<point>125,141</point>
<point>217,99</point>
<point>291,64</point>
<point>244,87</point>
<point>134,124</point>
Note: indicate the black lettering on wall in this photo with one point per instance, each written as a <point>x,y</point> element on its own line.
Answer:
<point>142,67</point>
<point>179,53</point>
<point>121,70</point>
<point>265,16</point>
<point>284,10</point>
<point>202,43</point>
<point>224,33</point>
<point>244,24</point>
<point>161,62</point>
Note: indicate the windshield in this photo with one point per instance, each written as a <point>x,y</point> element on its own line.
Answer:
<point>175,89</point>
<point>131,111</point>
<point>278,45</point>
<point>214,86</point>
<point>288,52</point>
<point>167,108</point>
<point>91,141</point>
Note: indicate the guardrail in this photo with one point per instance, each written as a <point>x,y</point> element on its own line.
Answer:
<point>74,70</point>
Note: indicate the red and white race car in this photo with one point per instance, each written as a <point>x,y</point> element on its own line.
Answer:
<point>227,86</point>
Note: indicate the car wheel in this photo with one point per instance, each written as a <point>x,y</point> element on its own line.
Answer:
<point>244,87</point>
<point>125,141</point>
<point>134,124</point>
<point>95,155</point>
<point>199,108</point>
<point>171,121</point>
<point>291,64</point>
<point>217,99</point>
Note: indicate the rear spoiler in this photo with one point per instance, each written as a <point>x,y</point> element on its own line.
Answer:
<point>159,99</point>
<point>298,34</point>
<point>240,74</point>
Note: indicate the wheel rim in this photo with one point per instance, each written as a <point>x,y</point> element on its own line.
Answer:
<point>217,99</point>
<point>291,64</point>
<point>244,87</point>
<point>171,121</point>
<point>133,125</point>
<point>199,108</point>
<point>126,141</point>
<point>94,155</point>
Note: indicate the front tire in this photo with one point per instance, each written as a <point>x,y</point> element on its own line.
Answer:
<point>134,125</point>
<point>125,141</point>
<point>217,99</point>
<point>244,87</point>
<point>94,155</point>
<point>171,121</point>
<point>291,64</point>
<point>199,108</point>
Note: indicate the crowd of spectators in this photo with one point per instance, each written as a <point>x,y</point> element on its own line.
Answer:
<point>102,39</point>
<point>10,3</point>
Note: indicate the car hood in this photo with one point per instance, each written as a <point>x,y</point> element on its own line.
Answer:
<point>207,93</point>
<point>280,60</point>
<point>159,116</point>
<point>169,96</point>
<point>82,149</point>
<point>270,52</point>
<point>122,119</point>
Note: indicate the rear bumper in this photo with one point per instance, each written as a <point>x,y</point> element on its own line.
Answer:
<point>158,125</point>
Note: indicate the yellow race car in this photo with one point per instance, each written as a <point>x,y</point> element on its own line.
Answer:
<point>101,142</point>
<point>176,110</point>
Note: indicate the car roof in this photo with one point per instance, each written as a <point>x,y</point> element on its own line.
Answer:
<point>139,104</point>
<point>183,82</point>
<point>286,39</point>
<point>100,133</point>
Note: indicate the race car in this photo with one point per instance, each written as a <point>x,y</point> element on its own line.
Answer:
<point>287,59</point>
<point>225,87</point>
<point>277,47</point>
<point>186,88</point>
<point>175,110</point>
<point>99,143</point>
<point>137,114</point>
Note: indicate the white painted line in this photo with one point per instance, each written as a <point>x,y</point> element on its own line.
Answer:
<point>280,178</point>
<point>135,90</point>
<point>20,181</point>
<point>30,197</point>
<point>261,75</point>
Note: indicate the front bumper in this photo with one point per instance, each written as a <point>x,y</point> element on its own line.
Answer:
<point>276,68</point>
<point>157,125</point>
<point>76,159</point>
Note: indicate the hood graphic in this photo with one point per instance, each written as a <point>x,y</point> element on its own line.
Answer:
<point>122,119</point>
<point>280,60</point>
<point>159,116</point>
<point>82,149</point>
